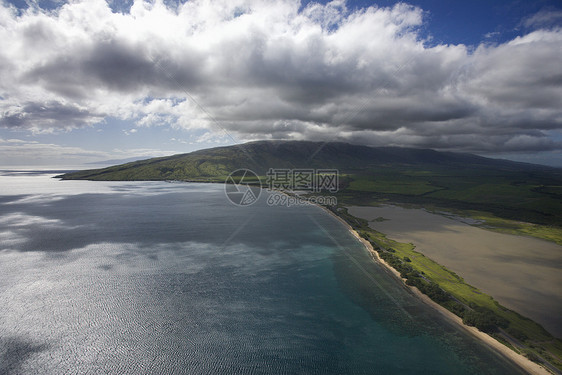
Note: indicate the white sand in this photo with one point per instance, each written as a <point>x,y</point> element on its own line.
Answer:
<point>520,360</point>
<point>522,273</point>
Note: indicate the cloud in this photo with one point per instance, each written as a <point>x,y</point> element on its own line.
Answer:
<point>44,116</point>
<point>544,18</point>
<point>27,153</point>
<point>271,70</point>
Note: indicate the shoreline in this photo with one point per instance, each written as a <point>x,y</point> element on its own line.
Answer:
<point>516,358</point>
<point>518,272</point>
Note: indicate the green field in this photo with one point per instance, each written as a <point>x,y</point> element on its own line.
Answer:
<point>391,186</point>
<point>545,232</point>
<point>507,201</point>
<point>489,221</point>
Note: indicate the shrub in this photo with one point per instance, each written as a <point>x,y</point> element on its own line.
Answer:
<point>484,319</point>
<point>456,308</point>
<point>533,357</point>
<point>519,335</point>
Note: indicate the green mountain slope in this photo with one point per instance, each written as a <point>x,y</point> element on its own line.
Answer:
<point>369,175</point>
<point>260,156</point>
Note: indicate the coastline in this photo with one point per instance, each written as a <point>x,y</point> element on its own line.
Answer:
<point>518,272</point>
<point>518,359</point>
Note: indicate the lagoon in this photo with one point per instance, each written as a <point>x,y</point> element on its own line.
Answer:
<point>522,273</point>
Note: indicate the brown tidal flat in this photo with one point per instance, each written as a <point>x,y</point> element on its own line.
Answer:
<point>522,273</point>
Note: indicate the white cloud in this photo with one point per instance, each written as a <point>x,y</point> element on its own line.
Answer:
<point>544,18</point>
<point>27,153</point>
<point>266,70</point>
<point>211,137</point>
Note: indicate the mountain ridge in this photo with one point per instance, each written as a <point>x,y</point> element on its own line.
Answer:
<point>262,155</point>
<point>372,175</point>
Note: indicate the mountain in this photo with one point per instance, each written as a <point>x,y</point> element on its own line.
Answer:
<point>369,175</point>
<point>259,156</point>
<point>116,161</point>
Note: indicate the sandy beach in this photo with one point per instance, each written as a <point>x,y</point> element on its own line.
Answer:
<point>493,344</point>
<point>521,273</point>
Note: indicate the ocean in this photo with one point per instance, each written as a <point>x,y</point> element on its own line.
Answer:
<point>172,278</point>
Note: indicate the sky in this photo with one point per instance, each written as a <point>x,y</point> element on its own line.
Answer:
<point>84,81</point>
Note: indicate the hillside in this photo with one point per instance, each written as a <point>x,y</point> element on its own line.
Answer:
<point>369,175</point>
<point>260,156</point>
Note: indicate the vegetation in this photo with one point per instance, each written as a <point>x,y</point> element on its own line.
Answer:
<point>497,188</point>
<point>484,319</point>
<point>450,291</point>
<point>488,221</point>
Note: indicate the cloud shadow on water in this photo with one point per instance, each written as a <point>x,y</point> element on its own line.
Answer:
<point>14,351</point>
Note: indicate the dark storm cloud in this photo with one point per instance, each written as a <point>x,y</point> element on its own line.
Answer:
<point>113,65</point>
<point>274,70</point>
<point>48,114</point>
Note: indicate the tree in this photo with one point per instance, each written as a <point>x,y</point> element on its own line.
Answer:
<point>484,319</point>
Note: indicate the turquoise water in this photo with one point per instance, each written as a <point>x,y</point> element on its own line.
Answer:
<point>154,277</point>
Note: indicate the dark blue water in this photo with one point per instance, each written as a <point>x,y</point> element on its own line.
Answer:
<point>157,277</point>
